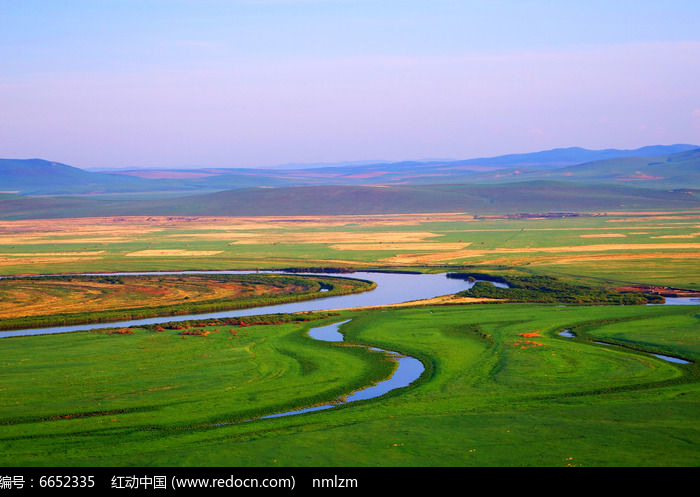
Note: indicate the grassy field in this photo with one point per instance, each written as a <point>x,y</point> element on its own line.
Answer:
<point>62,300</point>
<point>660,248</point>
<point>501,388</point>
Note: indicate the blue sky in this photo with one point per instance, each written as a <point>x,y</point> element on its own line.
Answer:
<point>174,83</point>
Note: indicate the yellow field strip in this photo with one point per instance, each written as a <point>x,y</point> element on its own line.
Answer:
<point>399,246</point>
<point>50,254</point>
<point>462,254</point>
<point>173,253</point>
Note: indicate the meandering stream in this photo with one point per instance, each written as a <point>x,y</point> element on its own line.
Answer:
<point>392,288</point>
<point>408,370</point>
<point>677,360</point>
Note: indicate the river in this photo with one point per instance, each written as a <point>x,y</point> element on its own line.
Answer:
<point>392,288</point>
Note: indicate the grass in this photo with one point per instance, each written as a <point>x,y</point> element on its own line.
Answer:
<point>547,289</point>
<point>579,247</point>
<point>48,301</point>
<point>501,388</point>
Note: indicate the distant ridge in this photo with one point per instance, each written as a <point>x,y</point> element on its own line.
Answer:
<point>38,176</point>
<point>666,171</point>
<point>41,177</point>
<point>578,155</point>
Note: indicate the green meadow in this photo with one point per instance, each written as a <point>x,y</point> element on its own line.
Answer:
<point>501,388</point>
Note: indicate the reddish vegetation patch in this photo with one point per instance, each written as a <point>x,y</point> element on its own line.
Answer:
<point>235,322</point>
<point>529,335</point>
<point>195,332</point>
<point>527,344</point>
<point>121,331</point>
<point>158,292</point>
<point>660,290</point>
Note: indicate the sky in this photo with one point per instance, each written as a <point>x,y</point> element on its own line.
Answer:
<point>256,83</point>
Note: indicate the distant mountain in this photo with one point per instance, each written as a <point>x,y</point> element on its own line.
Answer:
<point>674,170</point>
<point>37,176</point>
<point>502,168</point>
<point>576,155</point>
<point>40,177</point>
<point>667,171</point>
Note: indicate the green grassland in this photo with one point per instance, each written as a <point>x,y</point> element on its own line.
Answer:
<point>501,388</point>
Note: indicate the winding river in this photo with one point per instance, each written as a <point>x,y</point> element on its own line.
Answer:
<point>667,358</point>
<point>392,288</point>
<point>407,371</point>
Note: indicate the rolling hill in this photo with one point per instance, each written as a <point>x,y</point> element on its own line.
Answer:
<point>501,168</point>
<point>620,183</point>
<point>40,177</point>
<point>533,197</point>
<point>666,171</point>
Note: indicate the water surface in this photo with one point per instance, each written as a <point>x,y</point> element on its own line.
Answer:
<point>671,359</point>
<point>680,301</point>
<point>408,370</point>
<point>677,360</point>
<point>392,288</point>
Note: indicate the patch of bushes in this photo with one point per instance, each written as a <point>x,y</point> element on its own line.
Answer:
<point>243,322</point>
<point>547,289</point>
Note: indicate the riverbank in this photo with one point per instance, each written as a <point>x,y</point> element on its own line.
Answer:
<point>494,394</point>
<point>232,291</point>
<point>388,289</point>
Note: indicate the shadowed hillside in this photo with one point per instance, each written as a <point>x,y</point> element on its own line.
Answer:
<point>327,200</point>
<point>37,176</point>
<point>666,171</point>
